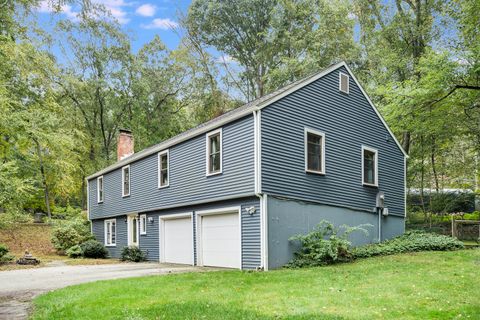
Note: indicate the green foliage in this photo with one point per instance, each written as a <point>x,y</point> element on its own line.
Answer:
<point>4,254</point>
<point>66,234</point>
<point>325,244</point>
<point>442,202</point>
<point>93,249</point>
<point>411,241</point>
<point>75,252</point>
<point>133,254</point>
<point>67,212</point>
<point>8,220</point>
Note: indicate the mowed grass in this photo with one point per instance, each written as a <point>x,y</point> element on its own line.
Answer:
<point>426,285</point>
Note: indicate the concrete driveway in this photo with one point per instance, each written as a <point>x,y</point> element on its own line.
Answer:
<point>19,287</point>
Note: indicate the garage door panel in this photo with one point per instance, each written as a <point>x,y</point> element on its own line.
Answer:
<point>178,240</point>
<point>220,237</point>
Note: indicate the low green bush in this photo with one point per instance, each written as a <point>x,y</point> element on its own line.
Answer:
<point>325,244</point>
<point>5,256</point>
<point>411,241</point>
<point>75,252</point>
<point>133,254</point>
<point>68,233</point>
<point>93,249</point>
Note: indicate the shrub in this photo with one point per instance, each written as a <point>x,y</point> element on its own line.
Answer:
<point>93,249</point>
<point>67,212</point>
<point>411,241</point>
<point>4,254</point>
<point>325,244</point>
<point>68,233</point>
<point>133,254</point>
<point>75,252</point>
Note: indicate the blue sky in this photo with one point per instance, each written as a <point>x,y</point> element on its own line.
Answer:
<point>142,20</point>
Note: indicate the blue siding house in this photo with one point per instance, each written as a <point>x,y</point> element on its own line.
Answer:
<point>232,191</point>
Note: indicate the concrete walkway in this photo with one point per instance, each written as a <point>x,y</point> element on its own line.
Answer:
<point>19,287</point>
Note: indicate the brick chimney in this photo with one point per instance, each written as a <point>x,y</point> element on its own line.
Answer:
<point>125,144</point>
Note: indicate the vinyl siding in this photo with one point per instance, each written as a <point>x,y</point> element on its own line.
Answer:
<point>348,122</point>
<point>149,243</point>
<point>188,182</point>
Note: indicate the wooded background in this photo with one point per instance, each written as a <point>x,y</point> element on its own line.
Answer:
<point>419,61</point>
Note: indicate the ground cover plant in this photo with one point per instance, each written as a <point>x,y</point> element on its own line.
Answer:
<point>421,285</point>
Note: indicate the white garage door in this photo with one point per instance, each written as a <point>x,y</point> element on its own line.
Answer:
<point>220,240</point>
<point>177,241</point>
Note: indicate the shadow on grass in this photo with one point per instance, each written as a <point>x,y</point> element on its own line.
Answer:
<point>203,310</point>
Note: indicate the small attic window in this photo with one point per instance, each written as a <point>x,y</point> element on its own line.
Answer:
<point>344,80</point>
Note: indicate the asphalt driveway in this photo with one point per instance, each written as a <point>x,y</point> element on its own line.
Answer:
<point>19,287</point>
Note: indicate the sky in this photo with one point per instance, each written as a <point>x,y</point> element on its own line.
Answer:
<point>142,20</point>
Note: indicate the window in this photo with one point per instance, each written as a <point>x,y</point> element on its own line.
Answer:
<point>100,189</point>
<point>110,232</point>
<point>126,181</point>
<point>369,166</point>
<point>214,152</point>
<point>344,82</point>
<point>143,224</point>
<point>163,165</point>
<point>314,151</point>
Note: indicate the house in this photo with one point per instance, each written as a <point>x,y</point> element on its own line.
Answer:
<point>232,191</point>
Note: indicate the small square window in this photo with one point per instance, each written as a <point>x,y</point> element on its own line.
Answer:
<point>369,166</point>
<point>344,83</point>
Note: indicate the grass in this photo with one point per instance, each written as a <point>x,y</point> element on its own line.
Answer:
<point>425,285</point>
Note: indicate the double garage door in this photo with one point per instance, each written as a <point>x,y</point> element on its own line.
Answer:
<point>217,239</point>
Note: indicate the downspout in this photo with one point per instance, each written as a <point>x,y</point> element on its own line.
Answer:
<point>258,189</point>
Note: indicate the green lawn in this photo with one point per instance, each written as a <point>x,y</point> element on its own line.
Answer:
<point>427,285</point>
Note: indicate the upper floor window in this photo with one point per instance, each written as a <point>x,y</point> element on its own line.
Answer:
<point>344,82</point>
<point>163,172</point>
<point>143,224</point>
<point>314,151</point>
<point>369,166</point>
<point>126,181</point>
<point>110,232</point>
<point>100,189</point>
<point>214,152</point>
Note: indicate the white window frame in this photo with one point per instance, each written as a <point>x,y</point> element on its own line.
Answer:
<point>129,180</point>
<point>340,74</point>
<point>108,224</point>
<point>365,148</point>
<point>305,146</point>
<point>159,166</point>
<point>98,189</point>
<point>207,153</point>
<point>143,224</point>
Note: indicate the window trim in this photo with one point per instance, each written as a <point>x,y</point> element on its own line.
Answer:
<point>159,165</point>
<point>305,147</point>
<point>143,222</point>
<point>365,148</point>
<point>98,189</point>
<point>207,152</point>
<point>129,181</point>
<point>106,223</point>
<point>340,74</point>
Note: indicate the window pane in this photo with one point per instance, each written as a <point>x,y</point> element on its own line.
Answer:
<point>134,230</point>
<point>164,170</point>
<point>314,152</point>
<point>108,226</point>
<point>214,153</point>
<point>369,167</point>
<point>126,181</point>
<point>113,233</point>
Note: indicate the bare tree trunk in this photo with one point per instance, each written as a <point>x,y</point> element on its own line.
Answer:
<point>44,179</point>
<point>434,169</point>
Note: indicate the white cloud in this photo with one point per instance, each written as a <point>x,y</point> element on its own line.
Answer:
<point>146,10</point>
<point>116,8</point>
<point>46,7</point>
<point>163,24</point>
<point>225,59</point>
